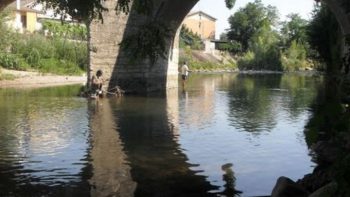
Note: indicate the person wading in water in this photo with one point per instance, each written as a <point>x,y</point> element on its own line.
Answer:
<point>184,73</point>
<point>96,85</point>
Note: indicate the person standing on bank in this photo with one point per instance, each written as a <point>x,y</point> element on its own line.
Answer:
<point>184,73</point>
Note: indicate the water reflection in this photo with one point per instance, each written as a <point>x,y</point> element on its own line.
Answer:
<point>110,172</point>
<point>256,124</point>
<point>224,134</point>
<point>149,129</point>
<point>43,144</point>
<point>230,179</point>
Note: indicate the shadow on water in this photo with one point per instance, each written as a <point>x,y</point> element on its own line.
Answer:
<point>149,129</point>
<point>327,134</point>
<point>110,171</point>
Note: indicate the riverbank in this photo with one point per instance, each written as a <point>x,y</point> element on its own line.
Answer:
<point>26,79</point>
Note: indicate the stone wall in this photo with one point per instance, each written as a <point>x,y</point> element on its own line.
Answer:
<point>106,54</point>
<point>118,69</point>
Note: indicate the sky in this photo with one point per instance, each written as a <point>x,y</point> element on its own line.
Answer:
<point>217,9</point>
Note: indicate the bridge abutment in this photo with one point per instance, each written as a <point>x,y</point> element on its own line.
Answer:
<point>106,54</point>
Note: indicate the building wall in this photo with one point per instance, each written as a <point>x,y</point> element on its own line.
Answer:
<point>201,25</point>
<point>31,21</point>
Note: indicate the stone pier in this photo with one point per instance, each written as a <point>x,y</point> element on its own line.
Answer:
<point>118,69</point>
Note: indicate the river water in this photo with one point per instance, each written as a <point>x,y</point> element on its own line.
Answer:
<point>222,135</point>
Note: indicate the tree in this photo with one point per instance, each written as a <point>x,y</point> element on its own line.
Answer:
<point>325,37</point>
<point>249,20</point>
<point>294,29</point>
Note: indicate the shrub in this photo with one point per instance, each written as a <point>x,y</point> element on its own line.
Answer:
<point>294,58</point>
<point>9,61</point>
<point>60,67</point>
<point>27,44</point>
<point>60,30</point>
<point>247,61</point>
<point>34,57</point>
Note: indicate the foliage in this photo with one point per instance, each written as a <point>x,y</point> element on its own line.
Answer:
<point>248,20</point>
<point>324,36</point>
<point>264,53</point>
<point>5,33</point>
<point>29,43</point>
<point>55,55</point>
<point>230,46</point>
<point>65,30</point>
<point>188,38</point>
<point>205,65</point>
<point>12,61</point>
<point>210,66</point>
<point>86,10</point>
<point>246,61</point>
<point>294,58</point>
<point>149,42</point>
<point>61,67</point>
<point>230,3</point>
<point>294,29</point>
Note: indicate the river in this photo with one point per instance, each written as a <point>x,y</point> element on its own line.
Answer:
<point>224,134</point>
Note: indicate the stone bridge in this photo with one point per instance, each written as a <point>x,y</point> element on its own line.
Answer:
<point>107,55</point>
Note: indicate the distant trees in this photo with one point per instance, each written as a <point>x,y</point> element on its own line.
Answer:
<point>294,29</point>
<point>267,43</point>
<point>249,20</point>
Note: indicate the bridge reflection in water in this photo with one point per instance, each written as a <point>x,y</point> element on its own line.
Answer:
<point>232,126</point>
<point>149,129</point>
<point>58,145</point>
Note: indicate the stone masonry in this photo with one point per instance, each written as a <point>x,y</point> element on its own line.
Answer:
<point>106,54</point>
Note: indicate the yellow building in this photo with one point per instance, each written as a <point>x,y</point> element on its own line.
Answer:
<point>25,18</point>
<point>202,24</point>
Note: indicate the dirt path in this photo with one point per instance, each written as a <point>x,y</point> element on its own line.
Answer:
<point>25,79</point>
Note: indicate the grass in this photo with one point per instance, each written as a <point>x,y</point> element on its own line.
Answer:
<point>5,76</point>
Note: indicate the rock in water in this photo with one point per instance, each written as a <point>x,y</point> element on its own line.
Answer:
<point>285,187</point>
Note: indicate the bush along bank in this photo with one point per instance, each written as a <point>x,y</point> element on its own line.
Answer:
<point>63,52</point>
<point>47,55</point>
<point>199,61</point>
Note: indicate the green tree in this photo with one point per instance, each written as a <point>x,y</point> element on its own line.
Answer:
<point>324,35</point>
<point>264,44</point>
<point>188,38</point>
<point>249,20</point>
<point>5,34</point>
<point>294,29</point>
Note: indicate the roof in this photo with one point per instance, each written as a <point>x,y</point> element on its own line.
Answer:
<point>201,13</point>
<point>26,6</point>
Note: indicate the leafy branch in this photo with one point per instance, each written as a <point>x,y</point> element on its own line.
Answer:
<point>149,42</point>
